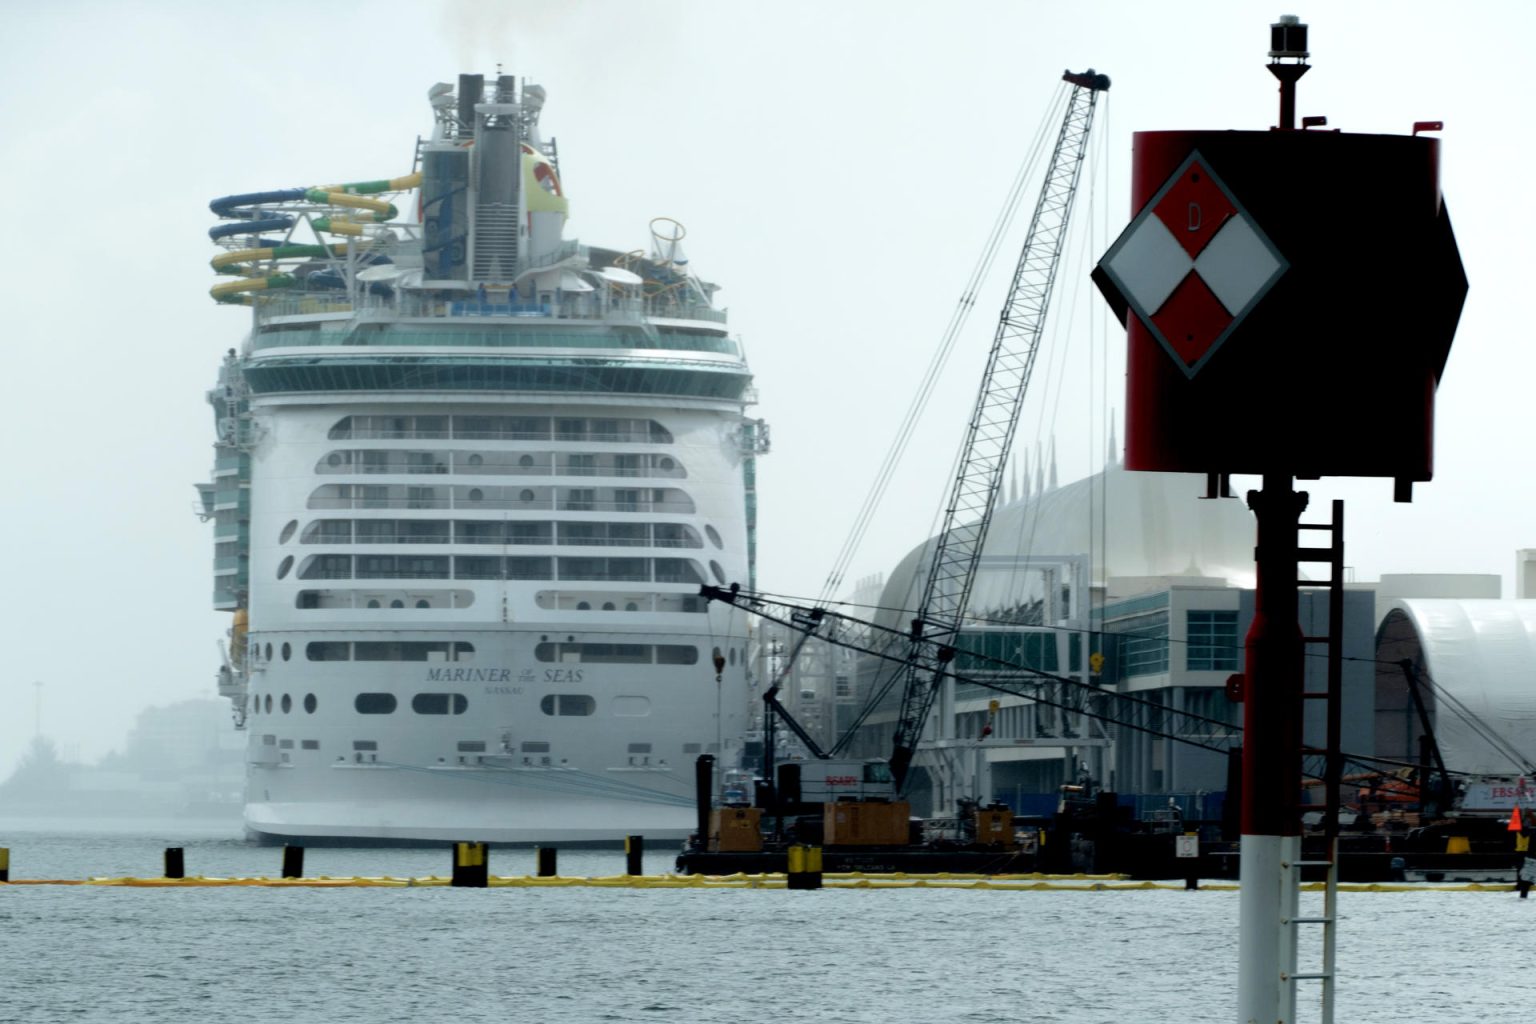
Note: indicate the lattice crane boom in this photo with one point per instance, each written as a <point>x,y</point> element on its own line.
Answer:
<point>989,432</point>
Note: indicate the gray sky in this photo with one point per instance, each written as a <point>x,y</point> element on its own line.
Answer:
<point>837,166</point>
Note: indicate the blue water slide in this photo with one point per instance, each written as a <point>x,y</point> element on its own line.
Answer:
<point>253,221</point>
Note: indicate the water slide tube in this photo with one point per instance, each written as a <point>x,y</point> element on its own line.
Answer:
<point>249,219</point>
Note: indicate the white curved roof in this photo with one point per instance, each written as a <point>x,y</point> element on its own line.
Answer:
<point>1157,526</point>
<point>1483,653</point>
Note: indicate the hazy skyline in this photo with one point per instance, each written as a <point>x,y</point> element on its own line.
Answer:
<point>837,167</point>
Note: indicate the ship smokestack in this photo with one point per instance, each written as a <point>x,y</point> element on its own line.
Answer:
<point>471,89</point>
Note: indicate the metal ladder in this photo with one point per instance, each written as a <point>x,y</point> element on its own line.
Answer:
<point>1332,695</point>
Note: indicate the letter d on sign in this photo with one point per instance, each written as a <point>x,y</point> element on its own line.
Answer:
<point>1195,220</point>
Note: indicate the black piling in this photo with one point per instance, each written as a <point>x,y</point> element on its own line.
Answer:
<point>546,862</point>
<point>804,867</point>
<point>175,862</point>
<point>293,862</point>
<point>5,864</point>
<point>471,866</point>
<point>634,855</point>
<point>1521,886</point>
<point>703,794</point>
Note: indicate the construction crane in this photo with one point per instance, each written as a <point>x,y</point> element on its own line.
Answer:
<point>989,432</point>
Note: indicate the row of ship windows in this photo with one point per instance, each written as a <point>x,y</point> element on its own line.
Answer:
<point>502,428</point>
<point>639,753</point>
<point>563,499</point>
<point>443,650</point>
<point>549,600</point>
<point>497,567</point>
<point>497,531</point>
<point>385,460</point>
<point>421,703</point>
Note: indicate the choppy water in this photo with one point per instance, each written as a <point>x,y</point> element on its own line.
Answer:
<point>75,953</point>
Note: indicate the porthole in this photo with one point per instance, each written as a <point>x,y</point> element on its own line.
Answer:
<point>284,566</point>
<point>309,703</point>
<point>525,461</point>
<point>287,704</point>
<point>475,460</point>
<point>267,710</point>
<point>568,705</point>
<point>287,534</point>
<point>608,606</point>
<point>713,535</point>
<point>333,459</point>
<point>717,572</point>
<point>630,606</point>
<point>667,463</point>
<point>476,494</point>
<point>287,650</point>
<point>375,703</point>
<point>583,606</point>
<point>269,653</point>
<point>423,603</point>
<point>397,603</point>
<point>525,495</point>
<point>373,602</point>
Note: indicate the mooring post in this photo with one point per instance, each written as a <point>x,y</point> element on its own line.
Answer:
<point>471,868</point>
<point>293,862</point>
<point>545,856</point>
<point>5,864</point>
<point>175,863</point>
<point>804,867</point>
<point>634,855</point>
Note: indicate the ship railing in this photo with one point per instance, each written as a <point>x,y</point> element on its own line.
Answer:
<point>371,434</point>
<point>493,339</point>
<point>644,473</point>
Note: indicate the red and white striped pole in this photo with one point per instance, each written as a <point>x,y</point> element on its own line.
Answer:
<point>1272,724</point>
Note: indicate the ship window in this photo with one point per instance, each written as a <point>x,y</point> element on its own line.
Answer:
<point>583,606</point>
<point>525,495</point>
<point>568,705</point>
<point>309,744</point>
<point>287,650</point>
<point>440,704</point>
<point>423,603</point>
<point>267,705</point>
<point>374,704</point>
<point>608,606</point>
<point>287,534</point>
<point>525,461</point>
<point>666,463</point>
<point>476,459</point>
<point>692,748</point>
<point>476,494</point>
<point>639,748</point>
<point>676,654</point>
<point>535,747</point>
<point>519,568</point>
<point>328,650</point>
<point>631,606</point>
<point>269,740</point>
<point>309,705</point>
<point>365,745</point>
<point>284,566</point>
<point>733,655</point>
<point>287,706</point>
<point>413,650</point>
<point>373,602</point>
<point>717,572</point>
<point>397,603</point>
<point>471,746</point>
<point>713,535</point>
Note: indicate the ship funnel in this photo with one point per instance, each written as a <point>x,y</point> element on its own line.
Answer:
<point>506,89</point>
<point>471,89</point>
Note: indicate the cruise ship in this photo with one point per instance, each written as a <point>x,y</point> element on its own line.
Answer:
<point>468,477</point>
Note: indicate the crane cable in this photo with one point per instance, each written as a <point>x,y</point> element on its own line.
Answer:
<point>1000,226</point>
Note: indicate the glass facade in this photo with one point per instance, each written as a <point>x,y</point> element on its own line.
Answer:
<point>1213,644</point>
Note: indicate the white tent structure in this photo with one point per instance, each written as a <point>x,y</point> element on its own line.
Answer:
<point>1479,657</point>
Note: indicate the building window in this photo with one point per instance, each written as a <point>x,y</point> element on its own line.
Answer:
<point>1143,642</point>
<point>1212,643</point>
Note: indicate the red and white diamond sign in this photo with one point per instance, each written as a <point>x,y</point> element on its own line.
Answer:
<point>1192,264</point>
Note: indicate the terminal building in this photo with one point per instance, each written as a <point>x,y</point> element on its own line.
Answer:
<point>1128,583</point>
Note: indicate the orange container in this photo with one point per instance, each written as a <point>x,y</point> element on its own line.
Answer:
<point>995,828</point>
<point>866,824</point>
<point>736,830</point>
